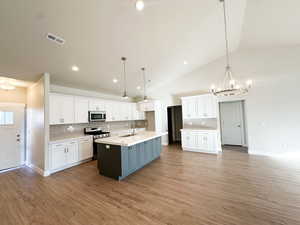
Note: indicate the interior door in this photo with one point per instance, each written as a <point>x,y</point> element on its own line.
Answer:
<point>232,123</point>
<point>12,123</point>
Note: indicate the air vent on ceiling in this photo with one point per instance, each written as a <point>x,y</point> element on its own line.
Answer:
<point>55,38</point>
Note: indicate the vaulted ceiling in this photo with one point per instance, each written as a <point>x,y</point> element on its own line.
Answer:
<point>99,32</point>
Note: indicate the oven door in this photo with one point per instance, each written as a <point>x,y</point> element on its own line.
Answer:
<point>97,116</point>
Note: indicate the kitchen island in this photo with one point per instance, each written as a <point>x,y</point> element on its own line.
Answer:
<point>121,156</point>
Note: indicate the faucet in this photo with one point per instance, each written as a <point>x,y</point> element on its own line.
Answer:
<point>133,132</point>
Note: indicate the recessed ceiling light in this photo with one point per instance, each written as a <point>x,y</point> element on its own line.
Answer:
<point>75,68</point>
<point>138,87</point>
<point>185,62</point>
<point>139,5</point>
<point>115,80</point>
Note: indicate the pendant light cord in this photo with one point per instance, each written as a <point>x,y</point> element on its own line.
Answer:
<point>226,34</point>
<point>124,68</point>
<point>144,78</point>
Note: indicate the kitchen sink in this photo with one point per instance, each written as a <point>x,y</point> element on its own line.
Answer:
<point>128,135</point>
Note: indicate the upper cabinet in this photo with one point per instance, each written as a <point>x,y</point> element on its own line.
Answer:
<point>147,106</point>
<point>81,110</point>
<point>200,107</point>
<point>68,109</point>
<point>97,105</point>
<point>136,113</point>
<point>62,109</point>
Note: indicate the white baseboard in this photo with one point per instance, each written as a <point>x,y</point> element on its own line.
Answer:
<point>38,170</point>
<point>199,151</point>
<point>10,169</point>
<point>68,166</point>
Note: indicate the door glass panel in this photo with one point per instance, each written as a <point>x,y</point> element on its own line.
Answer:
<point>9,118</point>
<point>6,118</point>
<point>2,119</point>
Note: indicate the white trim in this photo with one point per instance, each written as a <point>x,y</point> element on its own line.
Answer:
<point>11,169</point>
<point>199,151</point>
<point>165,143</point>
<point>259,153</point>
<point>38,170</point>
<point>69,166</point>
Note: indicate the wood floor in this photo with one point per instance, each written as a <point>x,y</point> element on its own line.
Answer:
<point>180,188</point>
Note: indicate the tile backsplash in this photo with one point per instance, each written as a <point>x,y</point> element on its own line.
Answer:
<point>201,124</point>
<point>63,130</point>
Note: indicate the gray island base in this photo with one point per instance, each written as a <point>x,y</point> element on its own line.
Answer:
<point>117,161</point>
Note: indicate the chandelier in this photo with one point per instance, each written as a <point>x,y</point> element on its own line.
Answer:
<point>230,86</point>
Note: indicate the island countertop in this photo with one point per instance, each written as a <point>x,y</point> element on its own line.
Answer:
<point>131,140</point>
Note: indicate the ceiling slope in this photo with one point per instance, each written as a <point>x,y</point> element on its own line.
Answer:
<point>99,32</point>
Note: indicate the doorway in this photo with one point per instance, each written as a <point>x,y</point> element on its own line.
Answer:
<point>233,126</point>
<point>12,124</point>
<point>175,124</point>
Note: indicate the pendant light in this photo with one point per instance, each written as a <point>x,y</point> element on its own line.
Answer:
<point>230,86</point>
<point>125,96</point>
<point>145,98</point>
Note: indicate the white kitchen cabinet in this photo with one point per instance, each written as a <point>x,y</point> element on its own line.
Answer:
<point>58,156</point>
<point>136,113</point>
<point>200,141</point>
<point>146,106</point>
<point>61,109</point>
<point>70,152</point>
<point>199,107</point>
<point>126,111</point>
<point>190,108</point>
<point>85,150</point>
<point>113,111</point>
<point>81,110</point>
<point>63,154</point>
<point>97,105</point>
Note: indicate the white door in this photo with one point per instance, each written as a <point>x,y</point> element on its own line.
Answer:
<point>232,123</point>
<point>12,122</point>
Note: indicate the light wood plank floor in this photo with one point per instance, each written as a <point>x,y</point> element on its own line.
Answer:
<point>180,188</point>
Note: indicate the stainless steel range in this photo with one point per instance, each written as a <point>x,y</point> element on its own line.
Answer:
<point>97,134</point>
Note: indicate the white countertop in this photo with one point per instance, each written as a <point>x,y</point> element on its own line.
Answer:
<point>199,129</point>
<point>67,137</point>
<point>132,140</point>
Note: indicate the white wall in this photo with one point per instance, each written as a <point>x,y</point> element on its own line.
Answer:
<point>14,96</point>
<point>272,106</point>
<point>37,125</point>
<point>86,93</point>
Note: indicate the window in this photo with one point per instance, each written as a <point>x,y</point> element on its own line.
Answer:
<point>6,118</point>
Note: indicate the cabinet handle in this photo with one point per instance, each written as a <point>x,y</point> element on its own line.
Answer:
<point>65,150</point>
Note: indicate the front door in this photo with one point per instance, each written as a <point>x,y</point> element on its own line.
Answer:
<point>11,135</point>
<point>232,123</point>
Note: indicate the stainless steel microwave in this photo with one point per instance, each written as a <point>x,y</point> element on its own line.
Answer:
<point>97,116</point>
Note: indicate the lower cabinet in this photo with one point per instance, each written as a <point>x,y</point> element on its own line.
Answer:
<point>85,150</point>
<point>67,153</point>
<point>120,161</point>
<point>201,141</point>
